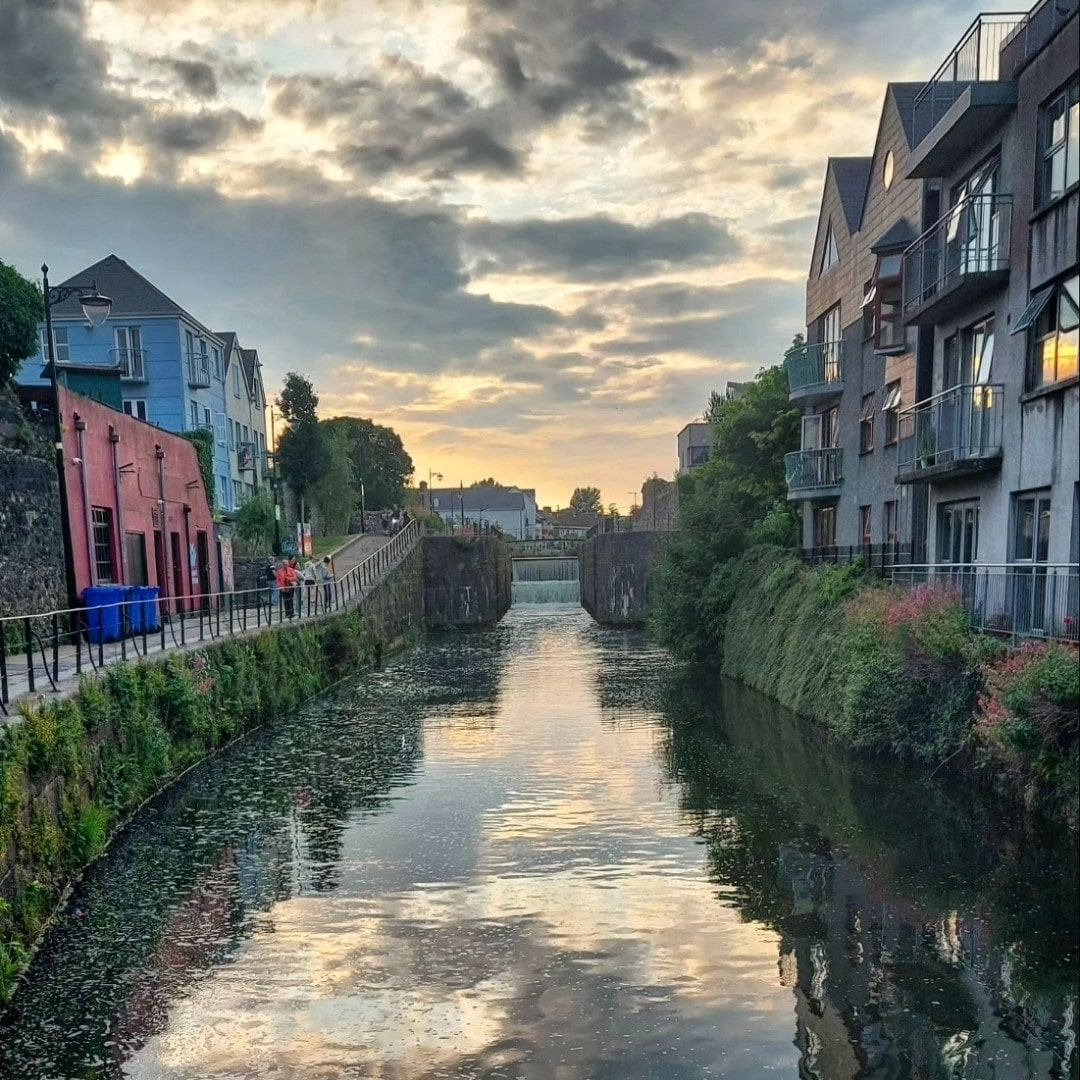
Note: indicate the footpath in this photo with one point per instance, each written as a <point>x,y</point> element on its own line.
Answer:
<point>57,660</point>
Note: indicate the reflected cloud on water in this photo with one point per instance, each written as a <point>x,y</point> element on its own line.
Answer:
<point>532,852</point>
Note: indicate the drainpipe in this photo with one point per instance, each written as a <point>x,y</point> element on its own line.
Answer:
<point>121,534</point>
<point>163,584</point>
<point>88,517</point>
<point>187,549</point>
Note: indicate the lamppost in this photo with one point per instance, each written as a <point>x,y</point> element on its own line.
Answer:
<point>431,474</point>
<point>96,308</point>
<point>274,486</point>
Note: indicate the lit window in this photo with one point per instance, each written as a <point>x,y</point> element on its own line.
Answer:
<point>1052,321</point>
<point>1059,144</point>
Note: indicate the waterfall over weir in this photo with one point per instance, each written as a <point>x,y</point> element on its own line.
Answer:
<point>546,581</point>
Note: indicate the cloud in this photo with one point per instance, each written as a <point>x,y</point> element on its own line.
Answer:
<point>196,76</point>
<point>195,133</point>
<point>655,55</point>
<point>601,248</point>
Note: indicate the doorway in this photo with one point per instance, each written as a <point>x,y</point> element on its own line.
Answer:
<point>203,545</point>
<point>177,570</point>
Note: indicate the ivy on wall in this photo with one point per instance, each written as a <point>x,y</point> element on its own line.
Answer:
<point>203,442</point>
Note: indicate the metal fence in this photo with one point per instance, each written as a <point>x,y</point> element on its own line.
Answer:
<point>41,652</point>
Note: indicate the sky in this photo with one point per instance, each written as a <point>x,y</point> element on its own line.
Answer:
<point>530,236</point>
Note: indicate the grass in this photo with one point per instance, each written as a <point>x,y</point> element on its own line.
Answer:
<point>327,545</point>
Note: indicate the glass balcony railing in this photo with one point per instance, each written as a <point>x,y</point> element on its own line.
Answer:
<point>970,242</point>
<point>961,427</point>
<point>815,370</point>
<point>811,472</point>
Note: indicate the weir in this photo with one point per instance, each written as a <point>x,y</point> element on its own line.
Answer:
<point>545,581</point>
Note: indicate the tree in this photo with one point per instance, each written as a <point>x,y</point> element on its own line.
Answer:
<point>301,455</point>
<point>586,501</point>
<point>254,524</point>
<point>334,494</point>
<point>489,482</point>
<point>713,407</point>
<point>21,308</point>
<point>378,459</point>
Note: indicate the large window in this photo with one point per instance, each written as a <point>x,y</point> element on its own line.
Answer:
<point>60,340</point>
<point>831,336</point>
<point>866,423</point>
<point>220,422</point>
<point>129,352</point>
<point>866,525</point>
<point>136,407</point>
<point>1059,144</point>
<point>890,409</point>
<point>883,305</point>
<point>1031,527</point>
<point>1052,323</point>
<point>830,256</point>
<point>824,526</point>
<point>890,528</point>
<point>104,559</point>
<point>958,532</point>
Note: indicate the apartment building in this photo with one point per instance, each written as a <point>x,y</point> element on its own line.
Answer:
<point>245,413</point>
<point>694,443</point>
<point>944,421</point>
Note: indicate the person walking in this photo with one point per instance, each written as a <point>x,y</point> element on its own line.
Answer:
<point>311,577</point>
<point>270,576</point>
<point>296,581</point>
<point>326,577</point>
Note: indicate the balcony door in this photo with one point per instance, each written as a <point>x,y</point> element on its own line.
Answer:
<point>1032,593</point>
<point>958,545</point>
<point>830,347</point>
<point>974,232</point>
<point>129,355</point>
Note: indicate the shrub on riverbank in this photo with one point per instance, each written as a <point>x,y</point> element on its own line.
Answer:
<point>901,673</point>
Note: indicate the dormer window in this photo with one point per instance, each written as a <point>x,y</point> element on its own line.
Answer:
<point>830,257</point>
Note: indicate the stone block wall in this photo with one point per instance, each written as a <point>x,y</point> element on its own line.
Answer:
<point>32,574</point>
<point>616,576</point>
<point>466,581</point>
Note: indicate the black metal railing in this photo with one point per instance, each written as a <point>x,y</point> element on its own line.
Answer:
<point>972,238</point>
<point>962,424</point>
<point>42,652</point>
<point>976,57</point>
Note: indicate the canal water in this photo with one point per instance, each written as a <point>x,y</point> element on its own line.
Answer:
<point>538,852</point>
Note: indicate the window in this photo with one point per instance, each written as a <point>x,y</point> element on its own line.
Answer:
<point>189,343</point>
<point>220,425</point>
<point>224,492</point>
<point>831,336</point>
<point>1031,527</point>
<point>958,535</point>
<point>246,439</point>
<point>830,427</point>
<point>866,525</point>
<point>869,310</point>
<point>890,522</point>
<point>830,256</point>
<point>969,356</point>
<point>215,353</point>
<point>194,405</point>
<point>866,424</point>
<point>236,379</point>
<point>104,561</point>
<point>136,407</point>
<point>129,352</point>
<point>232,434</point>
<point>60,340</point>
<point>1059,144</point>
<point>888,170</point>
<point>885,300</point>
<point>891,409</point>
<point>1052,321</point>
<point>824,526</point>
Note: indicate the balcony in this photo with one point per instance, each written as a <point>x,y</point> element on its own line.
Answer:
<point>245,456</point>
<point>958,260</point>
<point>131,362</point>
<point>965,98</point>
<point>198,370</point>
<point>815,372</point>
<point>953,434</point>
<point>814,474</point>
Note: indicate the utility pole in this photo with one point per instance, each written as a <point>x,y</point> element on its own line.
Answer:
<point>274,487</point>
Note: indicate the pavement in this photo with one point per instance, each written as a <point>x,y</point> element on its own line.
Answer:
<point>56,672</point>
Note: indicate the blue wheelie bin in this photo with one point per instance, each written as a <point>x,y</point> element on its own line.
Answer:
<point>148,594</point>
<point>103,617</point>
<point>132,614</point>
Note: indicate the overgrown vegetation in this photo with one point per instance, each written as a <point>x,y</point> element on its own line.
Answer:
<point>71,771</point>
<point>886,671</point>
<point>21,307</point>
<point>203,441</point>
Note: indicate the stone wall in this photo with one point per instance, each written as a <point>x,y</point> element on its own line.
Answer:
<point>616,576</point>
<point>659,510</point>
<point>466,581</point>
<point>32,575</point>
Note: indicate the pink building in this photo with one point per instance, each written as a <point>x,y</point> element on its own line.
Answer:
<point>137,503</point>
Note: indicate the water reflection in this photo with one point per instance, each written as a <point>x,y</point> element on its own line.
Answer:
<point>533,853</point>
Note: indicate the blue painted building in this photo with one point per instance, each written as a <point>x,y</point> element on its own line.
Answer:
<point>172,368</point>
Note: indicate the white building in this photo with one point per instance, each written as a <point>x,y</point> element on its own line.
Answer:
<point>513,510</point>
<point>245,411</point>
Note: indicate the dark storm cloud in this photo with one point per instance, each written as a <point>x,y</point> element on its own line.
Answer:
<point>196,76</point>
<point>601,248</point>
<point>655,55</point>
<point>48,66</point>
<point>195,133</point>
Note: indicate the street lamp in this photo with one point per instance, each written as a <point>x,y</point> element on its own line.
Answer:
<point>96,308</point>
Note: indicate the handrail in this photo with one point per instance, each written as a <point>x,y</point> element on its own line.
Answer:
<point>953,391</point>
<point>991,18</point>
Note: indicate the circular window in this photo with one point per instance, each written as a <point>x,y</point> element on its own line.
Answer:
<point>887,170</point>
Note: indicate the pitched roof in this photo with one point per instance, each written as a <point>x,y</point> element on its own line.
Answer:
<point>228,339</point>
<point>484,497</point>
<point>895,238</point>
<point>903,94</point>
<point>250,359</point>
<point>130,292</point>
<point>851,174</point>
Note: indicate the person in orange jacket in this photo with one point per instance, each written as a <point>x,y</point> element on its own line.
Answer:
<point>288,581</point>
